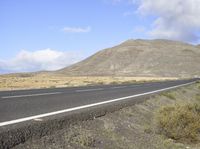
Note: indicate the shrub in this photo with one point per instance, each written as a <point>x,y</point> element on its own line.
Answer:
<point>179,122</point>
<point>198,84</point>
<point>52,86</point>
<point>83,140</point>
<point>184,91</point>
<point>25,75</point>
<point>198,97</point>
<point>114,82</point>
<point>168,95</point>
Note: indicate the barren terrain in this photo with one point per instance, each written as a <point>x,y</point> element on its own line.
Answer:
<point>46,80</point>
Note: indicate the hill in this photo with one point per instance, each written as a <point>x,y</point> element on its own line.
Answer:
<point>147,58</point>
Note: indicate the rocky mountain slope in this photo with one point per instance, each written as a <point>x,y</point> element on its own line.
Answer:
<point>155,58</point>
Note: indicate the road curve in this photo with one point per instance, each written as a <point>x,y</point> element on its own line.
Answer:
<point>23,105</point>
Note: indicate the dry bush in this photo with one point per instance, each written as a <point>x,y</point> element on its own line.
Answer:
<point>168,95</point>
<point>198,97</point>
<point>83,139</point>
<point>180,122</point>
<point>25,75</point>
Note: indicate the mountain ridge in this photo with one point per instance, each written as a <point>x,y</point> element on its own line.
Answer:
<point>153,58</point>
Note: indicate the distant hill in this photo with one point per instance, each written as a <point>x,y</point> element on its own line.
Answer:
<point>162,58</point>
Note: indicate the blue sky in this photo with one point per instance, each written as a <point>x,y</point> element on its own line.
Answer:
<point>36,33</point>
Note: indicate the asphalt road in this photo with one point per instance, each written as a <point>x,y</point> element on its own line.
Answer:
<point>24,105</point>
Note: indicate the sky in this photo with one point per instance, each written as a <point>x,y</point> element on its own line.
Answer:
<point>51,34</point>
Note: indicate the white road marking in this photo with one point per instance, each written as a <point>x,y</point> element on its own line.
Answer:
<point>38,119</point>
<point>30,95</point>
<point>89,90</point>
<point>116,87</point>
<point>87,106</point>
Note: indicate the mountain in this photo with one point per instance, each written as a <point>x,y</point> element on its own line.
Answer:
<point>155,58</point>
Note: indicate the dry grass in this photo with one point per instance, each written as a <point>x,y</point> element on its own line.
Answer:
<point>27,81</point>
<point>180,122</point>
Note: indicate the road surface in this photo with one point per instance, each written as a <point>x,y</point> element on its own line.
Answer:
<point>24,105</point>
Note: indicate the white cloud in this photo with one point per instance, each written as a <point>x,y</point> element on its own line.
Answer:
<point>46,59</point>
<point>76,29</point>
<point>176,19</point>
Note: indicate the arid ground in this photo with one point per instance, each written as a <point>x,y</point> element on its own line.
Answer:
<point>45,80</point>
